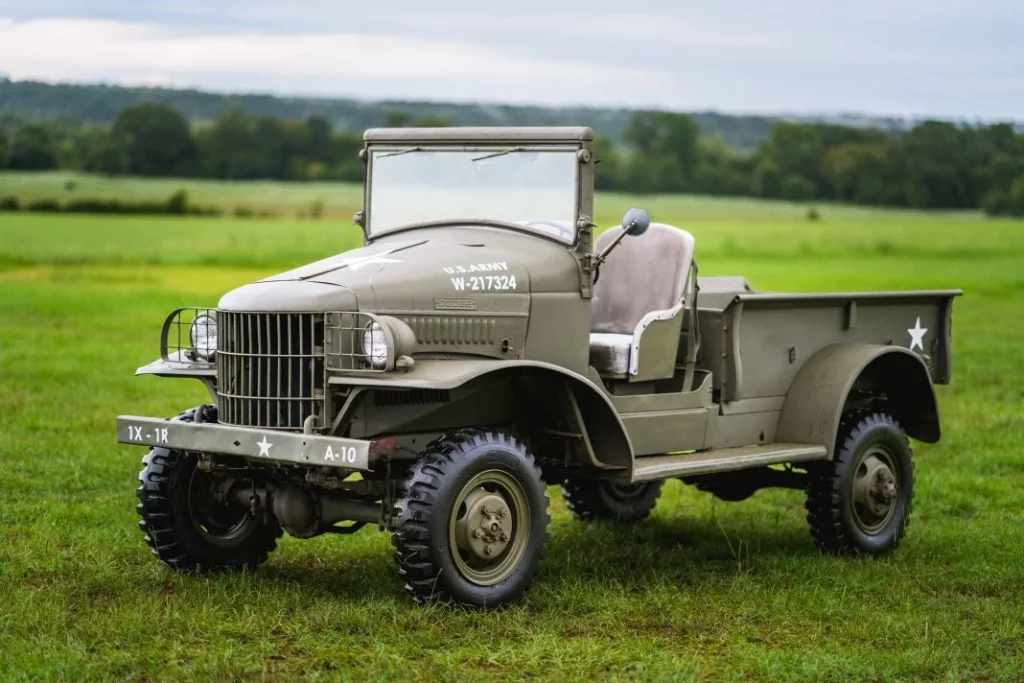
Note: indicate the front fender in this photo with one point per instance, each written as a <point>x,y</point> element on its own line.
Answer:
<point>176,365</point>
<point>607,438</point>
<point>818,396</point>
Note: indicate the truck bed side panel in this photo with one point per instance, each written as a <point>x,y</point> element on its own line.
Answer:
<point>756,345</point>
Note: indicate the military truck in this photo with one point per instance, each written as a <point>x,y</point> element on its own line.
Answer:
<point>485,341</point>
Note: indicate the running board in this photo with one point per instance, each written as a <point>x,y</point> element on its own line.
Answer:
<point>724,460</point>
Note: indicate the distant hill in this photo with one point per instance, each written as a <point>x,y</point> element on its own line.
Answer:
<point>100,104</point>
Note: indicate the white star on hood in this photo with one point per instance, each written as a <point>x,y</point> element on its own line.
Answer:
<point>372,259</point>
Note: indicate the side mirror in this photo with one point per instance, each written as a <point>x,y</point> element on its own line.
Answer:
<point>635,222</point>
<point>359,219</point>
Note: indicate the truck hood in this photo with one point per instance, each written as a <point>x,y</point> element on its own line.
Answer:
<point>416,272</point>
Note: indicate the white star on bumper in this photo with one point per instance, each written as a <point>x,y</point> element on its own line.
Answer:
<point>265,447</point>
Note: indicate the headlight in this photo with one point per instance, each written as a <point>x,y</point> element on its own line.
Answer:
<point>375,345</point>
<point>203,334</point>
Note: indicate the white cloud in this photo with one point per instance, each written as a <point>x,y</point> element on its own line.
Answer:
<point>127,51</point>
<point>910,57</point>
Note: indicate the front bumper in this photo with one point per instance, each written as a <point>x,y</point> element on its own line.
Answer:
<point>263,445</point>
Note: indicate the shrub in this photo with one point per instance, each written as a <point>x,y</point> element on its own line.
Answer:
<point>44,206</point>
<point>149,208</point>
<point>996,203</point>
<point>316,209</point>
<point>96,206</point>
<point>812,214</point>
<point>9,204</point>
<point>243,212</point>
<point>177,203</point>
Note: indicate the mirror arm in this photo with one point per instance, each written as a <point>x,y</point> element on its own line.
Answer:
<point>603,256</point>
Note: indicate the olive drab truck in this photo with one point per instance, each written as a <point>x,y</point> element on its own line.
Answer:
<point>485,342</point>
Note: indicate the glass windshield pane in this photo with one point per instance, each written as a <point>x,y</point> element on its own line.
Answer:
<point>535,188</point>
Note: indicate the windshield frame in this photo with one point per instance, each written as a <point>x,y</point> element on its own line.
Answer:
<point>498,147</point>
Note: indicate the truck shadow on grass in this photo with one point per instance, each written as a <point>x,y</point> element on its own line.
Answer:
<point>683,551</point>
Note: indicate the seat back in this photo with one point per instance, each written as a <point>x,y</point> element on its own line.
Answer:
<point>643,274</point>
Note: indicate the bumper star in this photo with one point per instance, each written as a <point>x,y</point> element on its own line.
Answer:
<point>265,447</point>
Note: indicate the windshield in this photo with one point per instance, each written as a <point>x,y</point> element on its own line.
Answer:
<point>533,187</point>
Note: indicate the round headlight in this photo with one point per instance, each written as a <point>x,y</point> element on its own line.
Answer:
<point>375,345</point>
<point>203,334</point>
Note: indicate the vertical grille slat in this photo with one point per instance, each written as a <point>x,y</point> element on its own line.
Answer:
<point>269,367</point>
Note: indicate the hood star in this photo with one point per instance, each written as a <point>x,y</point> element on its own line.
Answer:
<point>369,260</point>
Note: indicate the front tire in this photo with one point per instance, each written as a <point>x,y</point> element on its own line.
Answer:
<point>593,499</point>
<point>473,521</point>
<point>859,503</point>
<point>185,526</point>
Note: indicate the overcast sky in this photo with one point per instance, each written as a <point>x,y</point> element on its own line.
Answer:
<point>948,58</point>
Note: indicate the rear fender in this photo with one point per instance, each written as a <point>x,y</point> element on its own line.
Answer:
<point>822,391</point>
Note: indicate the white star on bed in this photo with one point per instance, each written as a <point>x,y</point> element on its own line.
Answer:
<point>917,335</point>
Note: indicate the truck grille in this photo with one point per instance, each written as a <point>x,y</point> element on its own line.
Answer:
<point>270,369</point>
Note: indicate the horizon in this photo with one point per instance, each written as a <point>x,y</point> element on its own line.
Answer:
<point>912,62</point>
<point>827,116</point>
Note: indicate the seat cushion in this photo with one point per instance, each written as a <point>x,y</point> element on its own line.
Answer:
<point>609,353</point>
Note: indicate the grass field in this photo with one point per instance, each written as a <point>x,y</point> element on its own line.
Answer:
<point>285,198</point>
<point>703,589</point>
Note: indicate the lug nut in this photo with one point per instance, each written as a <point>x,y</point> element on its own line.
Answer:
<point>488,549</point>
<point>503,537</point>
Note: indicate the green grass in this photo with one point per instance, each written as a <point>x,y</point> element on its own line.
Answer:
<point>703,589</point>
<point>340,199</point>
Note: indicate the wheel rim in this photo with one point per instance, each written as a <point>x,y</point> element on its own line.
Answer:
<point>489,529</point>
<point>218,521</point>
<point>876,489</point>
<point>625,491</point>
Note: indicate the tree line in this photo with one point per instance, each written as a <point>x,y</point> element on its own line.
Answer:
<point>95,103</point>
<point>934,165</point>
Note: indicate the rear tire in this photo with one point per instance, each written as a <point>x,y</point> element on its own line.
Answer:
<point>472,523</point>
<point>183,524</point>
<point>859,503</point>
<point>592,499</point>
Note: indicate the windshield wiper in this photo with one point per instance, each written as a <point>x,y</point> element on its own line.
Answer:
<point>400,152</point>
<point>501,153</point>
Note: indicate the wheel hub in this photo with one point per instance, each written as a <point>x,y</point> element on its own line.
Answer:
<point>875,489</point>
<point>884,490</point>
<point>488,526</point>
